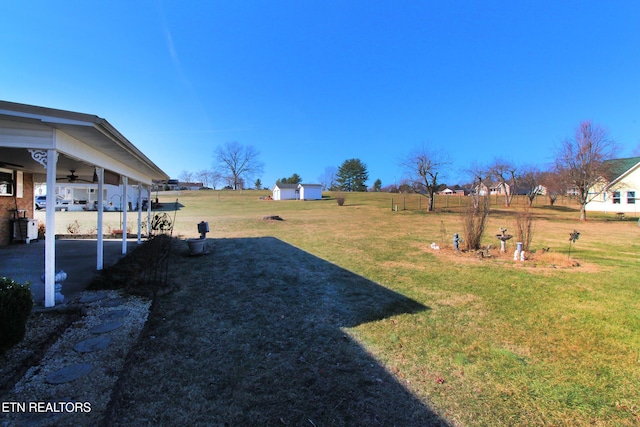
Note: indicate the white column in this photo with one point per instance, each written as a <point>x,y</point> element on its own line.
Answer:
<point>50,241</point>
<point>123,206</point>
<point>149,212</point>
<point>139,213</point>
<point>100,207</point>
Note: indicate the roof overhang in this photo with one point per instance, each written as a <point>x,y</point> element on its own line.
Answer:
<point>83,142</point>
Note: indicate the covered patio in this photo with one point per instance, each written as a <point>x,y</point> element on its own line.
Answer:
<point>39,144</point>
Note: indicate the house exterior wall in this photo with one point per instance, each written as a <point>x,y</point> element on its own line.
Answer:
<point>8,206</point>
<point>628,200</point>
<point>310,192</point>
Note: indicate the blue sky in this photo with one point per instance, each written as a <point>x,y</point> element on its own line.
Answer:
<point>313,83</point>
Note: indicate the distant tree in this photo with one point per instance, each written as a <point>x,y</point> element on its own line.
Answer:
<point>293,179</point>
<point>581,160</point>
<point>423,167</point>
<point>352,175</point>
<point>377,185</point>
<point>553,185</point>
<point>328,178</point>
<point>478,189</point>
<point>258,184</point>
<point>239,162</point>
<point>185,176</point>
<point>215,178</point>
<point>504,172</point>
<point>529,182</point>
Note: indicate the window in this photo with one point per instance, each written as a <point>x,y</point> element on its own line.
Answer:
<point>6,182</point>
<point>616,197</point>
<point>631,197</point>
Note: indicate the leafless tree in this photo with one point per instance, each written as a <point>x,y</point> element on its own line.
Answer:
<point>328,179</point>
<point>504,172</point>
<point>581,161</point>
<point>529,181</point>
<point>204,176</point>
<point>185,176</point>
<point>479,189</point>
<point>553,185</point>
<point>424,167</point>
<point>239,162</point>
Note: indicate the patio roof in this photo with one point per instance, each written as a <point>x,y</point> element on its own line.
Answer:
<point>83,141</point>
<point>69,146</point>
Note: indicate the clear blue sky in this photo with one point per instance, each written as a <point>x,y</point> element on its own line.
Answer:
<point>313,83</point>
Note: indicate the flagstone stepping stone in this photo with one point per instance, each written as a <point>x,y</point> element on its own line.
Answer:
<point>105,327</point>
<point>114,314</point>
<point>92,298</point>
<point>69,373</point>
<point>92,344</point>
<point>114,302</point>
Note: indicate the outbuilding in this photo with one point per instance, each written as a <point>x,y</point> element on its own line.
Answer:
<point>283,191</point>
<point>310,191</point>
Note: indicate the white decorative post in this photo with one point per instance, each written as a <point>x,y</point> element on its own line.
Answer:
<point>123,207</point>
<point>100,207</point>
<point>50,240</point>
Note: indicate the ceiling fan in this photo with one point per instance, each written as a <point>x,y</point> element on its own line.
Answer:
<point>75,178</point>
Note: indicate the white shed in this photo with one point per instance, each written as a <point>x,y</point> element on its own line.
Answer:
<point>285,191</point>
<point>310,191</point>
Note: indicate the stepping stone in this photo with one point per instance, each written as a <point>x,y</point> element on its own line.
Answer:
<point>92,298</point>
<point>92,344</point>
<point>114,302</point>
<point>69,373</point>
<point>114,314</point>
<point>105,327</point>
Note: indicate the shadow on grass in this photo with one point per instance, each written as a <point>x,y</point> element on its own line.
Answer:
<point>255,336</point>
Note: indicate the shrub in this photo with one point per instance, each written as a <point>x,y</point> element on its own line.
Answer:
<point>15,307</point>
<point>474,220</point>
<point>524,229</point>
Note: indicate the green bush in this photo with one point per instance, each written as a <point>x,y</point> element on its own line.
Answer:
<point>15,307</point>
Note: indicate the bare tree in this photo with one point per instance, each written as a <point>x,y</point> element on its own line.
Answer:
<point>204,176</point>
<point>239,162</point>
<point>423,168</point>
<point>581,161</point>
<point>328,179</point>
<point>529,181</point>
<point>479,189</point>
<point>553,185</point>
<point>504,172</point>
<point>186,176</point>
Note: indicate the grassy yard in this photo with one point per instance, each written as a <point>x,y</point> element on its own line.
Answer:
<point>550,341</point>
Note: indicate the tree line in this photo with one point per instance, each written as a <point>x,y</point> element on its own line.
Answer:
<point>580,162</point>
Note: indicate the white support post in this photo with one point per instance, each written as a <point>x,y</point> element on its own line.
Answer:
<point>149,212</point>
<point>100,207</point>
<point>123,207</point>
<point>139,213</point>
<point>50,241</point>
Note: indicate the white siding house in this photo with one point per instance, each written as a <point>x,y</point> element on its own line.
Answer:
<point>285,191</point>
<point>310,191</point>
<point>620,193</point>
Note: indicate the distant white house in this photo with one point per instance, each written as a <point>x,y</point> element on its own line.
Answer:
<point>620,191</point>
<point>282,191</point>
<point>84,196</point>
<point>285,191</point>
<point>310,191</point>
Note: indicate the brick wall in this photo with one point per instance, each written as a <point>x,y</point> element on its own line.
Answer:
<point>8,205</point>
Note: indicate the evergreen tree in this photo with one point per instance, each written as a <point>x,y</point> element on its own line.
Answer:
<point>377,185</point>
<point>353,175</point>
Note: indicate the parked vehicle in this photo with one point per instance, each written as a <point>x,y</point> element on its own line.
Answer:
<point>41,203</point>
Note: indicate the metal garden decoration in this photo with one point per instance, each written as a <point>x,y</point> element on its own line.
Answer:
<point>572,239</point>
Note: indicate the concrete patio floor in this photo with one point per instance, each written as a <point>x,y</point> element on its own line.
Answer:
<point>77,257</point>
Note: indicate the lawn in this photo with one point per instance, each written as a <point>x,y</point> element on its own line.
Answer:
<point>356,294</point>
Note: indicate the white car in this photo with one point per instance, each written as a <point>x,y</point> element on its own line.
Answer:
<point>41,203</point>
